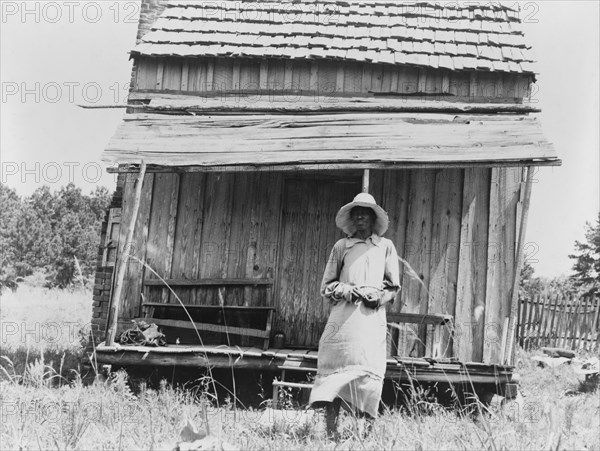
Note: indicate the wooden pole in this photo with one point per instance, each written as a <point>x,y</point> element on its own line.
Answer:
<point>115,302</point>
<point>365,181</point>
<point>519,262</point>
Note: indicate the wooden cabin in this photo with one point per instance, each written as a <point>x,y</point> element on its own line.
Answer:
<point>250,124</point>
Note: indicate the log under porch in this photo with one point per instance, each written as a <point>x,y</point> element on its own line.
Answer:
<point>399,369</point>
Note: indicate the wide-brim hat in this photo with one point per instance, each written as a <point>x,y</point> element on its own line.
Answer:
<point>344,221</point>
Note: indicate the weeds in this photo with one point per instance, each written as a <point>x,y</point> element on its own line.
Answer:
<point>45,404</point>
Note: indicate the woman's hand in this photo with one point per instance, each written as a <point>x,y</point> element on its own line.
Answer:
<point>371,297</point>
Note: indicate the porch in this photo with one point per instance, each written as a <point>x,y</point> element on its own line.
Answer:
<point>402,370</point>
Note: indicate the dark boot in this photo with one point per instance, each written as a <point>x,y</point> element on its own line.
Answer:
<point>332,413</point>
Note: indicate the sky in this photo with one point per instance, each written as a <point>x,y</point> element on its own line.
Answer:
<point>57,55</point>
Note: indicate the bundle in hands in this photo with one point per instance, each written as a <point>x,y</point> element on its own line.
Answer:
<point>371,297</point>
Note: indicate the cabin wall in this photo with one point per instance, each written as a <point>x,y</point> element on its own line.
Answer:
<point>326,79</point>
<point>455,227</point>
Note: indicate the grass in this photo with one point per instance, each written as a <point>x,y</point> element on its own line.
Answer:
<point>43,409</point>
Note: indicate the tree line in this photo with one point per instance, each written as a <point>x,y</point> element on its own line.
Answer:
<point>585,279</point>
<point>55,233</point>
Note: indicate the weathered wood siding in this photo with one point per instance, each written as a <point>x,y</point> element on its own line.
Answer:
<point>455,227</point>
<point>324,78</point>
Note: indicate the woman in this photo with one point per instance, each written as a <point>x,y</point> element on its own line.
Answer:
<point>362,274</point>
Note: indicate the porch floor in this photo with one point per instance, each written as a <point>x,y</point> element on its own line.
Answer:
<point>400,369</point>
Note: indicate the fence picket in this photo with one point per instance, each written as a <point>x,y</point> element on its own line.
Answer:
<point>558,320</point>
<point>595,337</point>
<point>553,308</point>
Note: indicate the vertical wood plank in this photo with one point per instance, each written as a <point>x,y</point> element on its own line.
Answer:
<point>433,82</point>
<point>531,318</point>
<point>210,75</point>
<point>250,76</point>
<point>376,78</point>
<point>408,80</point>
<point>146,74</point>
<point>473,85</point>
<point>188,232</point>
<point>387,78</point>
<point>244,189</point>
<point>504,194</point>
<point>276,75</point>
<point>288,76</point>
<point>339,79</point>
<point>326,79</point>
<point>160,73</point>
<point>314,76</point>
<point>172,74</point>
<point>159,255</point>
<point>223,74</point>
<point>235,75</point>
<point>446,227</point>
<point>553,307</point>
<point>472,266</point>
<point>352,78</point>
<point>184,76</point>
<point>264,74</point>
<point>366,79</point>
<point>301,75</point>
<point>418,247</point>
<point>422,81</point>
<point>267,211</point>
<point>132,285</point>
<point>197,76</point>
<point>445,82</point>
<point>215,232</point>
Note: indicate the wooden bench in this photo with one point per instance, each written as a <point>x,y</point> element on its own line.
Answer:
<point>436,331</point>
<point>265,314</point>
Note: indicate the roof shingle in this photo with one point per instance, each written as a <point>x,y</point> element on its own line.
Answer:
<point>460,36</point>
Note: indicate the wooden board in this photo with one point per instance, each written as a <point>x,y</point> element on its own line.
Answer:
<point>395,197</point>
<point>218,201</point>
<point>161,234</point>
<point>504,195</point>
<point>445,248</point>
<point>417,251</point>
<point>472,266</point>
<point>367,138</point>
<point>132,284</point>
<point>188,231</point>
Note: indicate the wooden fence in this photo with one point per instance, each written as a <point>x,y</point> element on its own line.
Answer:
<point>552,319</point>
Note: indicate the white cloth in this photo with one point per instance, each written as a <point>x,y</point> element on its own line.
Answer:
<point>352,349</point>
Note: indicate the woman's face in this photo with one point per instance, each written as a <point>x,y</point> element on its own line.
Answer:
<point>363,218</point>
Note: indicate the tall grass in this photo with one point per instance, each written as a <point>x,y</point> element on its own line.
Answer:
<point>45,325</point>
<point>41,408</point>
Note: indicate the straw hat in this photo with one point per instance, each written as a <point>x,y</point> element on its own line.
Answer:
<point>344,221</point>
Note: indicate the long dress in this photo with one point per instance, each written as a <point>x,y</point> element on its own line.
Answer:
<point>352,349</point>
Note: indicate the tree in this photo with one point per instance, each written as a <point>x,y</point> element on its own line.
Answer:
<point>11,206</point>
<point>587,261</point>
<point>46,231</point>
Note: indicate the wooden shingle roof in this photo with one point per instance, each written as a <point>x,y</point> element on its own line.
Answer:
<point>455,36</point>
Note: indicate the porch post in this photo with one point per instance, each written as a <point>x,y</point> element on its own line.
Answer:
<point>514,308</point>
<point>365,181</point>
<point>115,301</point>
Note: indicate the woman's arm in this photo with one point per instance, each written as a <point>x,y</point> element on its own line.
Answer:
<point>391,281</point>
<point>331,287</point>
